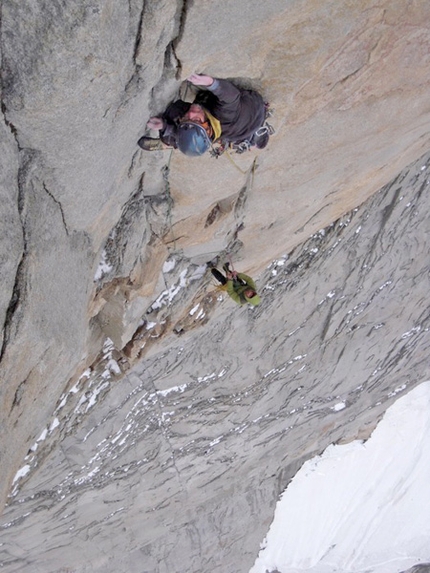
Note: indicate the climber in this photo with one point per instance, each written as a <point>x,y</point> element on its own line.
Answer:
<point>221,113</point>
<point>240,287</point>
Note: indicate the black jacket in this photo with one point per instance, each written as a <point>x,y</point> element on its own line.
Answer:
<point>241,112</point>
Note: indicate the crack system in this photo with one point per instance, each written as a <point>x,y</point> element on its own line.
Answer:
<point>13,303</point>
<point>59,206</point>
<point>19,281</point>
<point>18,287</point>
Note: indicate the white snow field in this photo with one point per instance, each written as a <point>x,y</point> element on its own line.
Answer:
<point>363,507</point>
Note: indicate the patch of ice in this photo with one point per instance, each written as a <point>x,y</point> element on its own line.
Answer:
<point>113,366</point>
<point>169,266</point>
<point>206,378</point>
<point>62,403</point>
<point>168,295</point>
<point>104,267</point>
<point>193,310</point>
<point>166,415</point>
<point>21,473</point>
<point>338,407</point>
<point>415,330</point>
<point>180,388</point>
<point>397,390</point>
<point>387,283</point>
<point>43,435</point>
<point>95,394</point>
<point>198,273</point>
<point>216,441</point>
<point>93,472</point>
<point>54,424</point>
<point>108,345</point>
<point>201,314</point>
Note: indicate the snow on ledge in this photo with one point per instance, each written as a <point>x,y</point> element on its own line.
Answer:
<point>360,507</point>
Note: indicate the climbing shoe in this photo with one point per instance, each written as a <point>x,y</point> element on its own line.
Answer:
<point>151,144</point>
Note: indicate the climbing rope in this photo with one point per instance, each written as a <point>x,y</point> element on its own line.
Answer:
<point>235,164</point>
<point>165,171</point>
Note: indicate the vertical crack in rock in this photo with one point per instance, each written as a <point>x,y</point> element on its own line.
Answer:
<point>132,86</point>
<point>13,304</point>
<point>59,206</point>
<point>3,74</point>
<point>138,37</point>
<point>148,45</point>
<point>181,19</point>
<point>8,123</point>
<point>158,213</point>
<point>18,395</point>
<point>171,48</point>
<point>26,158</point>
<point>172,66</point>
<point>18,287</point>
<point>122,233</point>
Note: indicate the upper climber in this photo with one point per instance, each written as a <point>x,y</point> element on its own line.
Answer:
<point>221,113</point>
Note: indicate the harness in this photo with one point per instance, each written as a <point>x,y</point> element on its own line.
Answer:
<point>263,132</point>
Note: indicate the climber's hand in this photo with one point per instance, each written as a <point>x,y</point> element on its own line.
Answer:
<point>155,123</point>
<point>200,80</point>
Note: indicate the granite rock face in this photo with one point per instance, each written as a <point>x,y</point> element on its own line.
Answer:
<point>99,239</point>
<point>177,464</point>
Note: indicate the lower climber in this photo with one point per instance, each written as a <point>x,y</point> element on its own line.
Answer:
<point>240,287</point>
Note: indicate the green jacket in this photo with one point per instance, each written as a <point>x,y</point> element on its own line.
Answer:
<point>237,287</point>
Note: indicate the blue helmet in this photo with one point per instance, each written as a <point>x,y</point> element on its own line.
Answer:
<point>193,139</point>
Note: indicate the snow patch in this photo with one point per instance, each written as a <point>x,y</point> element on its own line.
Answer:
<point>43,435</point>
<point>194,310</point>
<point>167,296</point>
<point>363,506</point>
<point>415,330</point>
<point>21,473</point>
<point>338,407</point>
<point>54,424</point>
<point>181,388</point>
<point>169,266</point>
<point>104,267</point>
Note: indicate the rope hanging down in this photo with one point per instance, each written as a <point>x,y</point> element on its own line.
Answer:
<point>165,171</point>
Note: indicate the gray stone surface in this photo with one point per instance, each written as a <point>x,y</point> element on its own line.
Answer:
<point>79,79</point>
<point>178,465</point>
